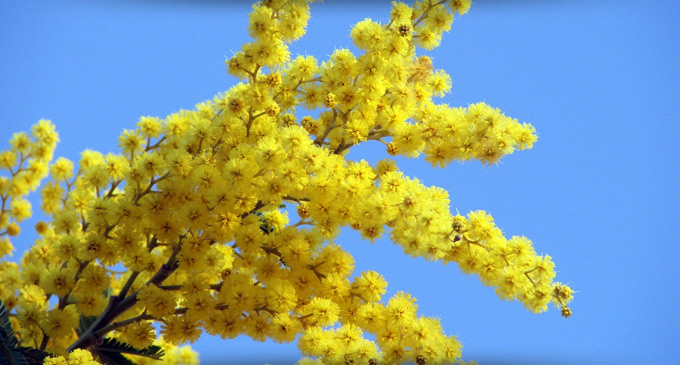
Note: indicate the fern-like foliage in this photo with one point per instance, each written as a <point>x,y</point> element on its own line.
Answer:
<point>111,352</point>
<point>10,351</point>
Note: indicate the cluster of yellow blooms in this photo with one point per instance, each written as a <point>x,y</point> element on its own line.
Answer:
<point>187,226</point>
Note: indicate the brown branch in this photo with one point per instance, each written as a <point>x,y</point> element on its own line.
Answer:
<point>424,14</point>
<point>119,324</point>
<point>331,125</point>
<point>118,305</point>
<point>158,143</point>
<point>128,284</point>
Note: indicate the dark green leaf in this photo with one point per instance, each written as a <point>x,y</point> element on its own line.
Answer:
<point>113,345</point>
<point>19,358</point>
<point>112,358</point>
<point>6,356</point>
<point>8,341</point>
<point>85,323</point>
<point>33,356</point>
<point>108,292</point>
<point>5,326</point>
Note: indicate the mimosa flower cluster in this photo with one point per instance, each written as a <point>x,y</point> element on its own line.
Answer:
<point>222,219</point>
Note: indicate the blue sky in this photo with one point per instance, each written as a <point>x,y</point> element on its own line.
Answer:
<point>599,191</point>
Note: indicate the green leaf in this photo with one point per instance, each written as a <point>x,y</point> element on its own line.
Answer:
<point>85,323</point>
<point>14,356</point>
<point>21,355</point>
<point>10,351</point>
<point>111,345</point>
<point>7,342</point>
<point>6,356</point>
<point>108,292</point>
<point>33,356</point>
<point>18,358</point>
<point>112,358</point>
<point>6,330</point>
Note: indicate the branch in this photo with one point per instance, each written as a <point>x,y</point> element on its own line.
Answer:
<point>119,305</point>
<point>119,324</point>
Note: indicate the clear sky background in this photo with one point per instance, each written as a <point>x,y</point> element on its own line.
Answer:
<point>599,191</point>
